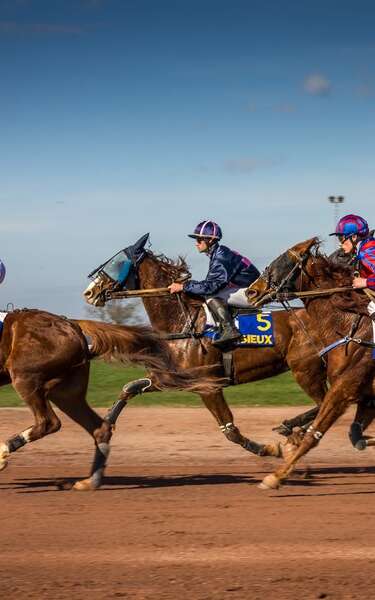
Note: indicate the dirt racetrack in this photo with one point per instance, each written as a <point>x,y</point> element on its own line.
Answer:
<point>180,515</point>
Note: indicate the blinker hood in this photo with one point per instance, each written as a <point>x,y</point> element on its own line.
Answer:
<point>135,253</point>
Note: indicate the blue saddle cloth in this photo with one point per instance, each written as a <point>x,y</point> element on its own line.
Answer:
<point>256,329</point>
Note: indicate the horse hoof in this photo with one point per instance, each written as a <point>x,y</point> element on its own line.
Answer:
<point>270,482</point>
<point>283,430</point>
<point>84,485</point>
<point>361,444</point>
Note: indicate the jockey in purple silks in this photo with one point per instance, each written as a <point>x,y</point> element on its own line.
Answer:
<point>229,274</point>
<point>356,239</point>
<point>2,271</point>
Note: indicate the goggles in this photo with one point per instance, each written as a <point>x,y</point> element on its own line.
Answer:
<point>343,238</point>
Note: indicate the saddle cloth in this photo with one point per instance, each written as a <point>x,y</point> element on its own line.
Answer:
<point>2,317</point>
<point>256,329</point>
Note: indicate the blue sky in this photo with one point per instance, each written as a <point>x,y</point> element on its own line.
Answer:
<point>121,117</point>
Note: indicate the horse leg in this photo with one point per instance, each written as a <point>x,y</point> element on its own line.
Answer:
<point>312,378</point>
<point>131,389</point>
<point>302,420</point>
<point>310,374</point>
<point>69,395</point>
<point>101,429</point>
<point>46,421</point>
<point>218,407</point>
<point>334,405</point>
<point>363,418</point>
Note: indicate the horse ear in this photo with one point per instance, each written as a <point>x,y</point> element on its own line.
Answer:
<point>136,251</point>
<point>140,244</point>
<point>305,246</point>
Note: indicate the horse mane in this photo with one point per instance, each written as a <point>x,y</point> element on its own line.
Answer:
<point>337,270</point>
<point>176,269</point>
<point>333,269</point>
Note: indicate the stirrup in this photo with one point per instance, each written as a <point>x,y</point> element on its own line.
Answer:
<point>226,340</point>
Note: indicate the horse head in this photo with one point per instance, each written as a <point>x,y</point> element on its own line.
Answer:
<point>117,273</point>
<point>283,274</point>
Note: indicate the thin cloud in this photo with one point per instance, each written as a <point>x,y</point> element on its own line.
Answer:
<point>252,107</point>
<point>22,226</point>
<point>282,107</point>
<point>39,28</point>
<point>317,84</point>
<point>366,90</point>
<point>247,165</point>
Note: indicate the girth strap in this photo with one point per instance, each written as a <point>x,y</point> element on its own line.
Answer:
<point>346,340</point>
<point>228,365</point>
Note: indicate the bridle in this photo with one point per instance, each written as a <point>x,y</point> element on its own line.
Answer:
<point>274,289</point>
<point>101,278</point>
<point>274,292</point>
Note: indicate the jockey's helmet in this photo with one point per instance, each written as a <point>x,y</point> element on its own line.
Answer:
<point>2,271</point>
<point>351,225</point>
<point>207,229</point>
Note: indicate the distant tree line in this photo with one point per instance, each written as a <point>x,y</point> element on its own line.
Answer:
<point>125,312</point>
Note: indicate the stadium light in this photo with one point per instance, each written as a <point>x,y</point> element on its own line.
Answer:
<point>335,201</point>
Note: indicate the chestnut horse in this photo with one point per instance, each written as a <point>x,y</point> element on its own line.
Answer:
<point>137,268</point>
<point>350,367</point>
<point>46,358</point>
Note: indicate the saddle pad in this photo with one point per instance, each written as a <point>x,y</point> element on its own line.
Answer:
<point>2,317</point>
<point>256,329</point>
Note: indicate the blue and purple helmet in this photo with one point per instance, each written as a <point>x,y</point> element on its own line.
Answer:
<point>2,271</point>
<point>207,229</point>
<point>351,225</point>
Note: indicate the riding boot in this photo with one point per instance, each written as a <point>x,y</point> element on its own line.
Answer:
<point>221,314</point>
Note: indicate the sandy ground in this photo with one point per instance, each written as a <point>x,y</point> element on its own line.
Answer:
<point>181,516</point>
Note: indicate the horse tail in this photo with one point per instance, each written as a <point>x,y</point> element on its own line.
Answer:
<point>141,345</point>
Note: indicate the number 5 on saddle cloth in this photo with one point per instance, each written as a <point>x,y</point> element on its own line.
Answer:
<point>256,328</point>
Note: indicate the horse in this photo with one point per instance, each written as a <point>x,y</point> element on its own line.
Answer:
<point>47,358</point>
<point>333,314</point>
<point>137,268</point>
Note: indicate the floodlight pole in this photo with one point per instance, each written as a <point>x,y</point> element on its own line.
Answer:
<point>335,201</point>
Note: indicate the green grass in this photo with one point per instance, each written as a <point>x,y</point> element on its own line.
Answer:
<point>106,382</point>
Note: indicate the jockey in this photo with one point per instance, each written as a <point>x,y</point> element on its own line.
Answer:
<point>356,239</point>
<point>229,274</point>
<point>2,271</point>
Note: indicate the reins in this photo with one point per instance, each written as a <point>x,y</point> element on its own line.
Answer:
<point>314,293</point>
<point>189,329</point>
<point>143,293</point>
<point>278,296</point>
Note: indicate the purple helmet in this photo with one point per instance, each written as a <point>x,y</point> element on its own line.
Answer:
<point>351,225</point>
<point>207,229</point>
<point>2,271</point>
